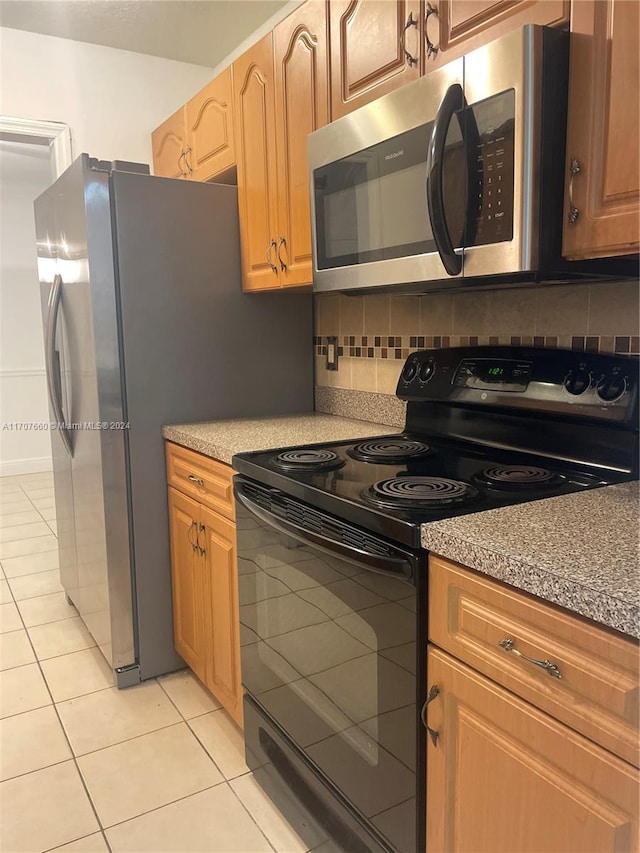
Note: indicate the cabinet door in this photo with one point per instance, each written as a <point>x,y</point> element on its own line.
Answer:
<point>301,86</point>
<point>187,580</point>
<point>602,131</point>
<point>218,538</point>
<point>504,776</point>
<point>210,129</point>
<point>367,57</point>
<point>454,27</point>
<point>168,143</point>
<point>253,105</point>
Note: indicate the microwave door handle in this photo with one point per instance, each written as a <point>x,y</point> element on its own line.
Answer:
<point>387,565</point>
<point>451,103</point>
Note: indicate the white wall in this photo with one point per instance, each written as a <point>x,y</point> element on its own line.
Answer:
<point>112,99</point>
<point>25,172</point>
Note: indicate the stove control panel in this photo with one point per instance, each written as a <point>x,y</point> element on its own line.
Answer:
<point>577,384</point>
<point>491,374</point>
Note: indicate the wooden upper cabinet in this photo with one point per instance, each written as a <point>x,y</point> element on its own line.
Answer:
<point>210,146</point>
<point>169,143</point>
<point>503,776</point>
<point>301,106</point>
<point>367,55</point>
<point>454,27</point>
<point>603,130</point>
<point>253,104</point>
<point>280,95</point>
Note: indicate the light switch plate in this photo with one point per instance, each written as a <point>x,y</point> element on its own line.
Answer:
<point>332,353</point>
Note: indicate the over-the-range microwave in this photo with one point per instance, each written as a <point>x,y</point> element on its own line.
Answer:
<point>451,179</point>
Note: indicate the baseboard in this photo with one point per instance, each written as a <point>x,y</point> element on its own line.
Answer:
<point>15,467</point>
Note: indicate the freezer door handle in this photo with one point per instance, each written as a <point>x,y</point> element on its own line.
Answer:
<point>54,379</point>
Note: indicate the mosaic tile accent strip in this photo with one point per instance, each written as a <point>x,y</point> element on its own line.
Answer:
<point>399,346</point>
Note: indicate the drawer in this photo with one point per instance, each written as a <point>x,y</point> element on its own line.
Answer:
<point>472,616</point>
<point>205,479</point>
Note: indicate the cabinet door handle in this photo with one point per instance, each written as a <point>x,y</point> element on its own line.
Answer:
<point>202,550</point>
<point>186,161</point>
<point>434,691</point>
<point>272,245</point>
<point>282,242</point>
<point>410,59</point>
<point>193,479</point>
<point>574,213</point>
<point>183,156</point>
<point>191,542</point>
<point>432,49</point>
<point>509,646</point>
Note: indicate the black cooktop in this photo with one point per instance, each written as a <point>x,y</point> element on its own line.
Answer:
<point>486,427</point>
<point>443,479</point>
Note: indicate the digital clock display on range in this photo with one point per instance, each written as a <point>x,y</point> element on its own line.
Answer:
<point>486,374</point>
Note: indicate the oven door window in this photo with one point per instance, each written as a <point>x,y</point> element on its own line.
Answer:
<point>329,651</point>
<point>372,205</point>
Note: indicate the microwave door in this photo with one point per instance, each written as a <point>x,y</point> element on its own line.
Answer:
<point>370,218</point>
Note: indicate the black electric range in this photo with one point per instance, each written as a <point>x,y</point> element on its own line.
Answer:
<point>332,581</point>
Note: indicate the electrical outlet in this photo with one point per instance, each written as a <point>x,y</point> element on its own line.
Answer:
<point>332,353</point>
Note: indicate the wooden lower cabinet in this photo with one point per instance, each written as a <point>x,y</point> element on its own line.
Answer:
<point>504,777</point>
<point>205,586</point>
<point>221,611</point>
<point>187,582</point>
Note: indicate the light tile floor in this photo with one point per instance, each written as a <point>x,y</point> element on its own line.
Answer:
<point>88,768</point>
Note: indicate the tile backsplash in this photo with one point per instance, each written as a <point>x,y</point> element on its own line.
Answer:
<point>376,332</point>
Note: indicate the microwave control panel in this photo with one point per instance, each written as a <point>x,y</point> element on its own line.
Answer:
<point>492,174</point>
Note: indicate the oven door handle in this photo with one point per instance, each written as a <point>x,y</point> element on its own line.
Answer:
<point>397,566</point>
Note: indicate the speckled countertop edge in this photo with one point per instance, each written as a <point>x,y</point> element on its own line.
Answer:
<point>589,563</point>
<point>222,439</point>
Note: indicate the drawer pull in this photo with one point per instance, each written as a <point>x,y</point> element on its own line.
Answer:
<point>509,646</point>
<point>433,734</point>
<point>197,480</point>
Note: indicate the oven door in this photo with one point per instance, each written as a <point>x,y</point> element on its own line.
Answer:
<point>328,618</point>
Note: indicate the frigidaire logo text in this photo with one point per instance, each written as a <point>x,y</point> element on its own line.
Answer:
<point>394,155</point>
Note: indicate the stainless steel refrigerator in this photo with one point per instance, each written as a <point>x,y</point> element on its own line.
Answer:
<point>145,324</point>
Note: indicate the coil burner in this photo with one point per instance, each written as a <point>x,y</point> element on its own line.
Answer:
<point>419,493</point>
<point>519,477</point>
<point>307,460</point>
<point>389,451</point>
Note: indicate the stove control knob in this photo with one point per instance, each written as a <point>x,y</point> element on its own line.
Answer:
<point>576,382</point>
<point>611,387</point>
<point>409,371</point>
<point>427,369</point>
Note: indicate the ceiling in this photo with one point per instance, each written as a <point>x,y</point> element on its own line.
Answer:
<point>199,31</point>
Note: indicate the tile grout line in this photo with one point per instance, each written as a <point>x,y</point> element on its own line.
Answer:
<point>64,732</point>
<point>71,750</point>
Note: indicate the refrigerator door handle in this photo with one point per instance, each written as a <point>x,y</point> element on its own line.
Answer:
<point>55,388</point>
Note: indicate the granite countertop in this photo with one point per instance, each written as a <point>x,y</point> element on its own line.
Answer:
<point>221,439</point>
<point>580,551</point>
